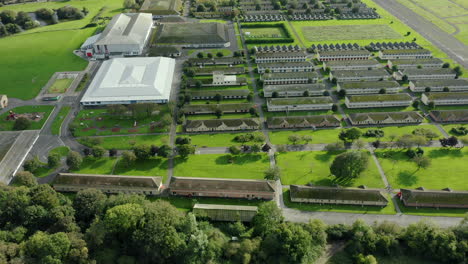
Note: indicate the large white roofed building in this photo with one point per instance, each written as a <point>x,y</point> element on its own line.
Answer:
<point>130,81</point>
<point>125,35</point>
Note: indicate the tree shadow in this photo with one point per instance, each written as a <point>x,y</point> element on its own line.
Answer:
<point>238,159</point>
<point>324,157</point>
<point>407,178</point>
<point>437,153</point>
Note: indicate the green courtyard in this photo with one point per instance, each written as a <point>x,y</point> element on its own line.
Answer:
<point>448,169</point>
<point>43,111</point>
<point>127,142</point>
<point>304,167</point>
<point>219,140</point>
<point>349,32</point>
<point>60,85</point>
<point>246,166</point>
<point>269,32</point>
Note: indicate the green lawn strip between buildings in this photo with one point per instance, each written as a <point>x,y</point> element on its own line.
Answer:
<point>448,169</point>
<point>246,166</point>
<point>302,167</point>
<point>356,209</point>
<point>59,119</point>
<point>8,125</point>
<point>219,140</point>
<point>127,142</point>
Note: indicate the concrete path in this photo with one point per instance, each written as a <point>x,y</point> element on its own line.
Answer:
<point>331,218</point>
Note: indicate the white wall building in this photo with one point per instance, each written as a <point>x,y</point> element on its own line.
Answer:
<point>445,98</point>
<point>299,103</point>
<point>378,100</point>
<point>456,85</point>
<point>131,80</point>
<point>125,35</point>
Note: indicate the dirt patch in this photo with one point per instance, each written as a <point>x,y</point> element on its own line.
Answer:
<point>116,129</point>
<point>33,117</point>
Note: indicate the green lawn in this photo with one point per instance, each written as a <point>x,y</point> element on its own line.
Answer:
<point>60,85</point>
<point>59,119</point>
<point>96,122</point>
<point>349,32</point>
<point>356,209</point>
<point>247,166</point>
<point>46,50</point>
<point>269,32</point>
<point>304,167</point>
<point>127,142</point>
<point>219,140</point>
<point>318,136</point>
<point>62,151</point>
<point>97,166</point>
<point>45,109</point>
<point>448,128</point>
<point>397,131</point>
<point>447,169</point>
<point>153,167</point>
<point>432,211</point>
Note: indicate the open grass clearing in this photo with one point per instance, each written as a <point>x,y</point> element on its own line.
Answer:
<point>156,166</point>
<point>318,136</point>
<point>46,50</point>
<point>356,209</point>
<point>219,140</point>
<point>62,151</point>
<point>60,85</point>
<point>304,167</point>
<point>246,166</point>
<point>93,165</point>
<point>127,142</point>
<point>269,32</point>
<point>55,128</point>
<point>42,110</point>
<point>432,211</point>
<point>349,32</point>
<point>448,169</point>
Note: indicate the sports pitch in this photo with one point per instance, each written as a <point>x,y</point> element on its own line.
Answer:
<point>349,32</point>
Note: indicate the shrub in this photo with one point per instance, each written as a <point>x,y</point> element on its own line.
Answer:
<point>459,130</point>
<point>378,133</point>
<point>22,123</point>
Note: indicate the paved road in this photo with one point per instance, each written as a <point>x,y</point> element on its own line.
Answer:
<point>294,215</point>
<point>446,42</point>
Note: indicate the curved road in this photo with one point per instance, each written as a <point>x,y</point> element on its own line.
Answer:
<point>443,40</point>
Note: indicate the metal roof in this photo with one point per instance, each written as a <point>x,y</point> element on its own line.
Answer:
<point>128,28</point>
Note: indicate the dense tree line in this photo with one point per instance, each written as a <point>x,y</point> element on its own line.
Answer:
<point>39,225</point>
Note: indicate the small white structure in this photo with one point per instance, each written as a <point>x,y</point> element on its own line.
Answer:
<point>220,79</point>
<point>3,101</point>
<point>125,35</point>
<point>131,80</point>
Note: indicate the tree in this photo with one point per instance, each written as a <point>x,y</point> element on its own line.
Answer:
<point>293,138</point>
<point>86,151</point>
<point>142,152</point>
<point>22,123</point>
<point>268,218</point>
<point>12,28</point>
<point>235,150</point>
<point>415,104</point>
<point>7,16</point>
<point>200,55</point>
<point>209,55</point>
<point>422,162</point>
<point>128,158</point>
<point>45,248</point>
<point>185,150</point>
<point>183,140</point>
<point>425,132</point>
<point>123,218</point>
<point>334,147</point>
<point>164,151</point>
<point>449,142</point>
<point>255,148</point>
<point>252,111</point>
<point>458,71</point>
<point>98,151</point>
<point>22,18</point>
<point>446,65</point>
<point>359,144</point>
<point>350,134</point>
<point>273,173</point>
<point>112,152</point>
<point>74,160</point>
<point>334,108</point>
<point>431,105</point>
<point>219,54</point>
<point>369,259</point>
<point>427,89</point>
<point>88,204</point>
<point>25,178</point>
<point>382,91</point>
<point>342,93</point>
<point>218,97</point>
<point>3,31</point>
<point>306,138</point>
<point>349,164</point>
<point>53,160</point>
<point>32,165</point>
<point>306,94</point>
<point>275,94</point>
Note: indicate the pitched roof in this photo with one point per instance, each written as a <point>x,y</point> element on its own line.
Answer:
<point>370,62</point>
<point>369,85</point>
<point>314,120</point>
<point>289,75</point>
<point>343,52</point>
<point>216,60</point>
<point>440,83</point>
<point>99,180</point>
<point>225,207</point>
<point>450,115</point>
<point>332,193</point>
<point>379,97</point>
<point>280,54</point>
<point>233,92</point>
<point>219,184</point>
<point>406,51</point>
<point>300,100</point>
<point>360,73</point>
<point>435,197</point>
<point>127,28</point>
<point>416,61</point>
<point>380,116</point>
<point>447,95</point>
<point>284,64</point>
<point>214,107</point>
<point>294,87</point>
<point>428,71</point>
<point>214,123</point>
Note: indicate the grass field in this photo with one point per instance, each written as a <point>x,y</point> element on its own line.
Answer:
<point>127,142</point>
<point>303,167</point>
<point>60,85</point>
<point>62,151</point>
<point>349,32</point>
<point>271,32</point>
<point>97,166</point>
<point>248,166</point>
<point>152,167</point>
<point>447,128</point>
<point>48,49</point>
<point>8,125</point>
<point>59,119</point>
<point>96,122</point>
<point>448,169</point>
<point>356,209</point>
<point>219,140</point>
